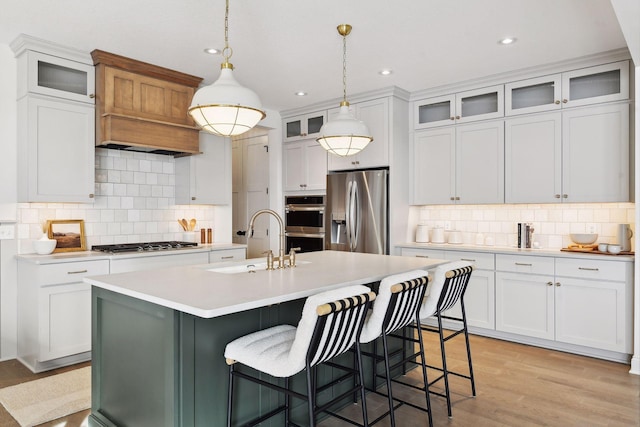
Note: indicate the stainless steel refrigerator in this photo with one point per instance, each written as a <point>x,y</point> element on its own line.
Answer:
<point>357,211</point>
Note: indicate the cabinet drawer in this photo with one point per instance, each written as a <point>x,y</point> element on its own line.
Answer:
<point>592,269</point>
<point>70,272</point>
<point>125,265</point>
<point>423,253</point>
<point>481,260</point>
<point>525,264</point>
<point>227,255</point>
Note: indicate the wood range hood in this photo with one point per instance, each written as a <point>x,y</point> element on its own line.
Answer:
<point>143,107</point>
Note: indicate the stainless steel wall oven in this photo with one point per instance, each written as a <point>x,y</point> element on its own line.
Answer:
<point>304,223</point>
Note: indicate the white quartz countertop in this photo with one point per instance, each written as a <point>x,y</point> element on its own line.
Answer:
<point>198,291</point>
<point>557,253</point>
<point>56,258</point>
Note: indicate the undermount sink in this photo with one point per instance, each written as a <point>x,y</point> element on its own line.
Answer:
<point>250,267</point>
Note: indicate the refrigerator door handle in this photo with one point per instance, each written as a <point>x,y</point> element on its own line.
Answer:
<point>356,216</point>
<point>347,208</point>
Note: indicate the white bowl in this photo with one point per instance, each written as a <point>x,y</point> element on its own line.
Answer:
<point>583,239</point>
<point>603,247</point>
<point>614,249</point>
<point>44,247</point>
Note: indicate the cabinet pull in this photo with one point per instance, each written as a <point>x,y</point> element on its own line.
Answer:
<point>557,196</point>
<point>77,272</point>
<point>451,198</point>
<point>227,257</point>
<point>524,264</point>
<point>557,101</point>
<point>588,269</point>
<point>558,284</point>
<point>422,256</point>
<point>457,198</point>
<point>193,197</point>
<point>467,259</point>
<point>564,196</point>
<point>549,283</point>
<point>452,118</point>
<point>564,101</point>
<point>91,95</point>
<point>458,117</point>
<point>91,196</point>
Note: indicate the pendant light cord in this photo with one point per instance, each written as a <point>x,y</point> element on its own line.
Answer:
<point>344,68</point>
<point>227,51</point>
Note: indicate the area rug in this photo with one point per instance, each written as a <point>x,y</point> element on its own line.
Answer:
<point>46,399</point>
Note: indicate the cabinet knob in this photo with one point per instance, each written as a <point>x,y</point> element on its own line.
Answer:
<point>564,196</point>
<point>549,283</point>
<point>557,196</point>
<point>92,95</point>
<point>452,198</point>
<point>557,101</point>
<point>452,118</point>
<point>564,101</point>
<point>193,198</point>
<point>91,196</point>
<point>457,117</point>
<point>457,198</point>
<point>558,284</point>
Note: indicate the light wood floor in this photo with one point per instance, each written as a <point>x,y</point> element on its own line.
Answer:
<point>516,385</point>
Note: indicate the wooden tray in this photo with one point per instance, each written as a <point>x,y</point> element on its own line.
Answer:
<point>595,251</point>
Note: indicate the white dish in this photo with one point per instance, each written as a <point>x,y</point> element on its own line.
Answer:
<point>44,247</point>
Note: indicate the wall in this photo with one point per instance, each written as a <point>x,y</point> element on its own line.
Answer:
<point>552,223</point>
<point>134,202</point>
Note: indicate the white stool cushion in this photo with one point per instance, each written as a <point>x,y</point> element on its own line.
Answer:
<point>373,324</point>
<point>430,303</point>
<point>281,350</point>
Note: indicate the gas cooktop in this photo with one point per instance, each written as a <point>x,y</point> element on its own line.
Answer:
<point>143,247</point>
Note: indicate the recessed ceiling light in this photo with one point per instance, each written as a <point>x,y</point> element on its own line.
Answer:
<point>507,40</point>
<point>385,72</point>
<point>212,51</point>
<point>301,93</point>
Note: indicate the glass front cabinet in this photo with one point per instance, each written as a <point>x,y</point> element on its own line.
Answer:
<point>62,78</point>
<point>478,104</point>
<point>603,83</point>
<point>304,127</point>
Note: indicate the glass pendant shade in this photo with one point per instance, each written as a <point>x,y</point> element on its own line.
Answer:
<point>225,107</point>
<point>344,135</point>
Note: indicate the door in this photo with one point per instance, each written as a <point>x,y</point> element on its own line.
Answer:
<point>251,190</point>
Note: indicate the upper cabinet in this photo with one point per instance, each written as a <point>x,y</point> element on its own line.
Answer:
<point>205,179</point>
<point>462,107</point>
<point>54,76</point>
<point>143,105</point>
<point>602,83</point>
<point>56,122</point>
<point>375,114</point>
<point>304,127</point>
<point>305,166</point>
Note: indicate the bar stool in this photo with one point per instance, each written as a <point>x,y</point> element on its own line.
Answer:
<point>399,299</point>
<point>330,324</point>
<point>448,287</point>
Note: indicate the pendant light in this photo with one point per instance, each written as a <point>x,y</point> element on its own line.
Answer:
<point>344,135</point>
<point>226,108</point>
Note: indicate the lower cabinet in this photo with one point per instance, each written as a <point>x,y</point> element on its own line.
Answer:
<point>226,255</point>
<point>125,265</point>
<point>54,312</point>
<point>582,305</point>
<point>578,301</point>
<point>480,295</point>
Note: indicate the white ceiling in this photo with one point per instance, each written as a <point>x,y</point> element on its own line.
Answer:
<point>282,46</point>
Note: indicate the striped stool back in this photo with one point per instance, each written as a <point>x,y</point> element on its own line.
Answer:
<point>406,297</point>
<point>338,327</point>
<point>455,285</point>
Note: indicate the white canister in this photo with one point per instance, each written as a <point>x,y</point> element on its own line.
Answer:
<point>422,233</point>
<point>437,235</point>
<point>624,237</point>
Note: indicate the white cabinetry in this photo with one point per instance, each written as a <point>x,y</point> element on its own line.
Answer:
<point>54,312</point>
<point>579,155</point>
<point>602,83</point>
<point>122,264</point>
<point>375,114</point>
<point>226,255</point>
<point>477,104</point>
<point>585,302</point>
<point>304,127</point>
<point>56,123</point>
<point>480,294</point>
<point>205,179</point>
<point>461,164</point>
<point>305,166</point>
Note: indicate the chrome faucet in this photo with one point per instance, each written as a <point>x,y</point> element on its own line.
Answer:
<point>280,256</point>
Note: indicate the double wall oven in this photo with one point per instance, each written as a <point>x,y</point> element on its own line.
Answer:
<point>304,223</point>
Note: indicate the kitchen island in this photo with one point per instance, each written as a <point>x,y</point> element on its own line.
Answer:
<point>158,336</point>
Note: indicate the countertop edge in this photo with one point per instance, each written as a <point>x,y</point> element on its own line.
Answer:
<point>94,255</point>
<point>557,253</point>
